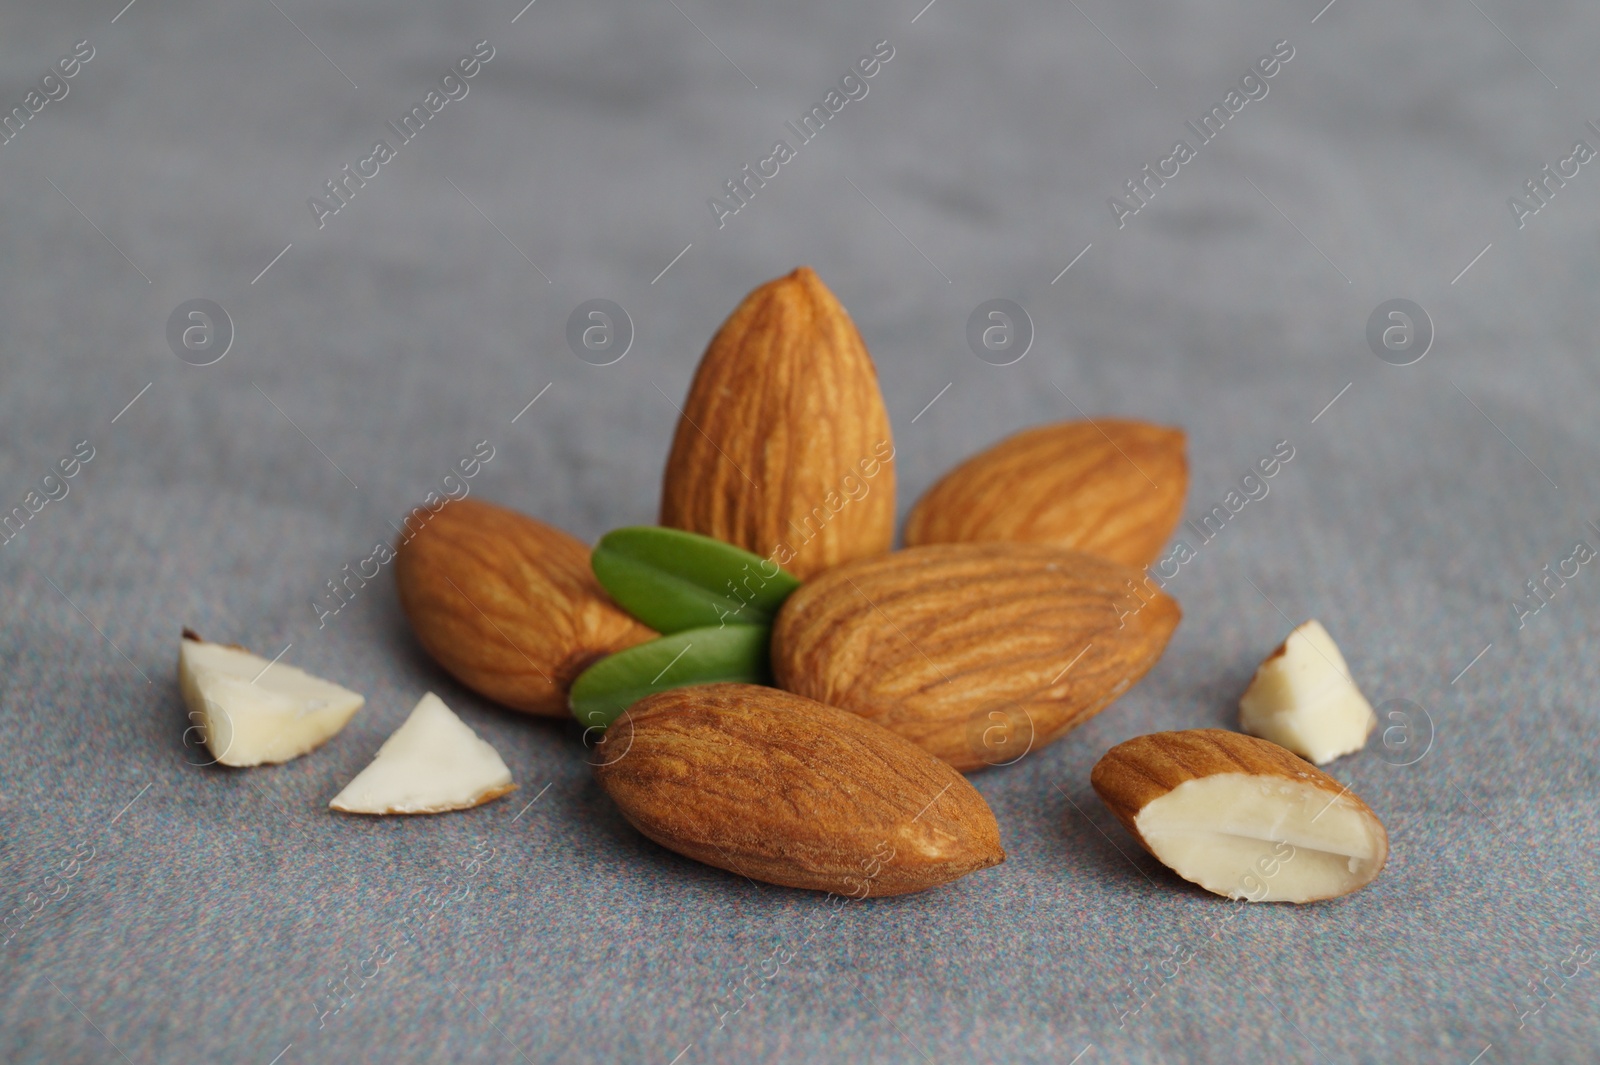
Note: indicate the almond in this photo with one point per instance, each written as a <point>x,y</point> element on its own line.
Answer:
<point>974,652</point>
<point>431,764</point>
<point>783,447</point>
<point>1113,488</point>
<point>1303,698</point>
<point>251,710</point>
<point>783,789</point>
<point>508,605</point>
<point>1242,817</point>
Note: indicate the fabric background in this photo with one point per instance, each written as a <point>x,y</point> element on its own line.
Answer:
<point>380,348</point>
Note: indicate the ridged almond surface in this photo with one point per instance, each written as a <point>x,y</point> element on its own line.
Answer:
<point>1242,817</point>
<point>975,652</point>
<point>784,445</point>
<point>783,789</point>
<point>1113,488</point>
<point>508,605</point>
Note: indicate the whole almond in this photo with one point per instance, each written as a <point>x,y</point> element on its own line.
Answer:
<point>783,447</point>
<point>975,652</point>
<point>508,605</point>
<point>1242,817</point>
<point>1113,488</point>
<point>779,788</point>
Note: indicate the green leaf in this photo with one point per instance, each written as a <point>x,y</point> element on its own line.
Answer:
<point>674,580</point>
<point>696,656</point>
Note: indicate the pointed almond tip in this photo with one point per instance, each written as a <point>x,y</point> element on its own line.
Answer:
<point>804,284</point>
<point>799,283</point>
<point>804,278</point>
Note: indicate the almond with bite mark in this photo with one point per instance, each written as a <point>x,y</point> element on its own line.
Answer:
<point>508,605</point>
<point>783,789</point>
<point>1111,487</point>
<point>1242,817</point>
<point>974,652</point>
<point>783,447</point>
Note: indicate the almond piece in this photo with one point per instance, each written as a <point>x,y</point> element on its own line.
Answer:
<point>1242,817</point>
<point>782,789</point>
<point>974,652</point>
<point>1303,698</point>
<point>431,764</point>
<point>783,447</point>
<point>508,605</point>
<point>1112,487</point>
<point>253,711</point>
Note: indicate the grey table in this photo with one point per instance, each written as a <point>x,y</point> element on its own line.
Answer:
<point>207,911</point>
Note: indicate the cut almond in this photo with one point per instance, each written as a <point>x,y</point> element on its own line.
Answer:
<point>1242,817</point>
<point>251,710</point>
<point>1303,698</point>
<point>430,764</point>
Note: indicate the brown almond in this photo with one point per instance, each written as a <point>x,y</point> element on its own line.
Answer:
<point>1242,817</point>
<point>783,447</point>
<point>977,653</point>
<point>507,604</point>
<point>779,788</point>
<point>1112,487</point>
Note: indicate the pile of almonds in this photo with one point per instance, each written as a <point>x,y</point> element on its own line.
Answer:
<point>882,676</point>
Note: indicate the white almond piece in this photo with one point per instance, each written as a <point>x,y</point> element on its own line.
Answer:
<point>252,711</point>
<point>1242,817</point>
<point>1303,698</point>
<point>432,763</point>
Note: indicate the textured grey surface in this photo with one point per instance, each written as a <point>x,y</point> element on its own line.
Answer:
<point>379,349</point>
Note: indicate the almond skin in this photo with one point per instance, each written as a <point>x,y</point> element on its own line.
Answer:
<point>1198,799</point>
<point>1113,488</point>
<point>783,447</point>
<point>508,605</point>
<point>965,649</point>
<point>786,790</point>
